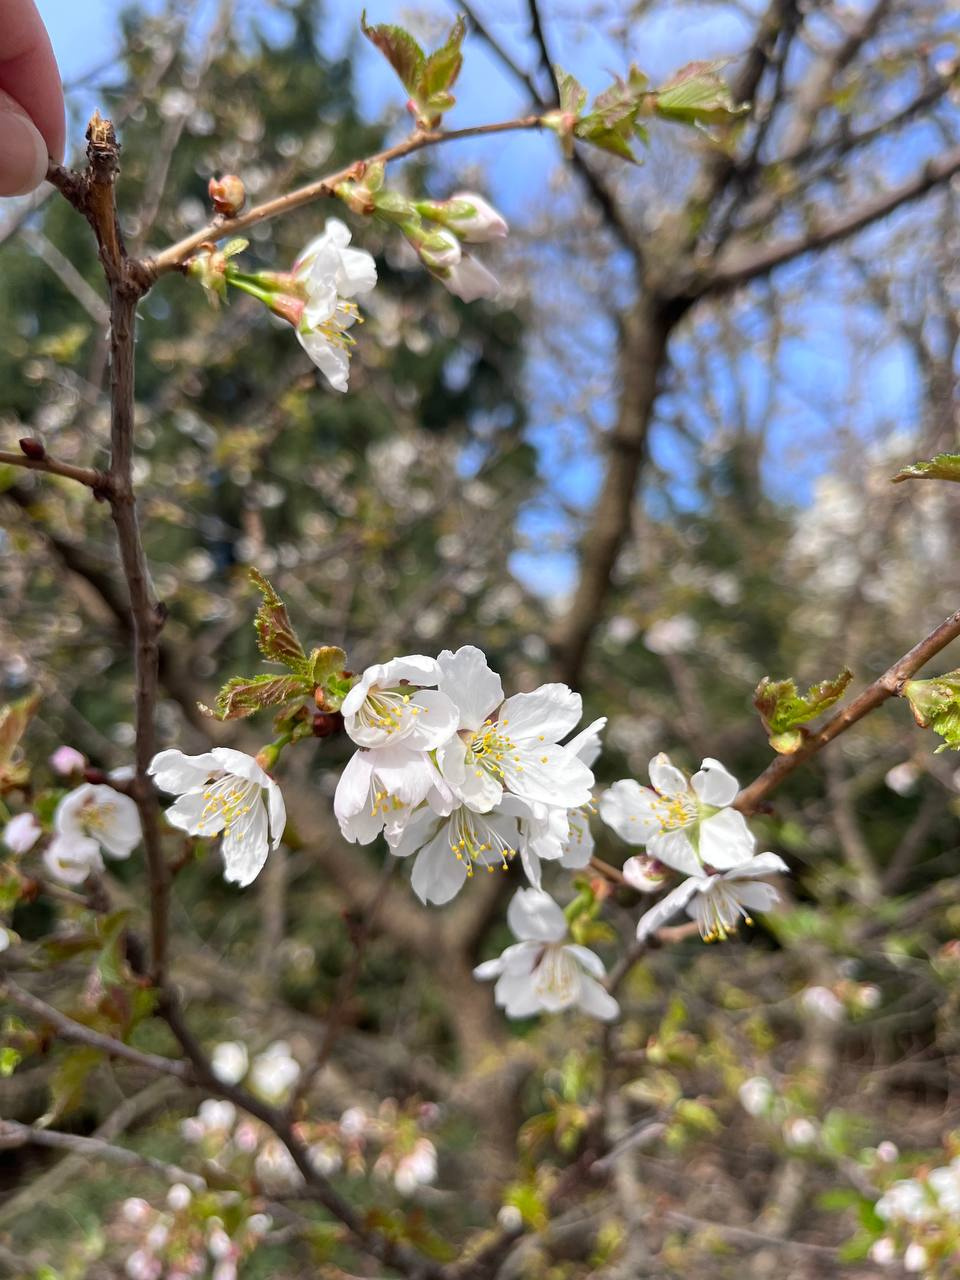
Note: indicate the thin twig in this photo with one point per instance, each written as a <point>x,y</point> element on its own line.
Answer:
<point>95,480</point>
<point>14,1134</point>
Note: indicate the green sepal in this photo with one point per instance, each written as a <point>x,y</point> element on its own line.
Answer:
<point>783,709</point>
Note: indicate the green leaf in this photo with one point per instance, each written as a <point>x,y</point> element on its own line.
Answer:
<point>14,718</point>
<point>68,1082</point>
<point>399,48</point>
<point>945,466</point>
<point>783,709</point>
<point>441,68</point>
<point>936,705</point>
<point>241,696</point>
<point>697,95</point>
<point>612,138</point>
<point>275,634</point>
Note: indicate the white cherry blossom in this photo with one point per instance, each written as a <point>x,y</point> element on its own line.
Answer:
<point>685,824</point>
<point>274,1072</point>
<point>396,702</point>
<point>379,788</point>
<point>90,821</point>
<point>542,972</point>
<point>718,902</point>
<point>510,745</point>
<point>450,847</point>
<point>21,833</point>
<point>224,791</point>
<point>229,1061</point>
<point>330,275</point>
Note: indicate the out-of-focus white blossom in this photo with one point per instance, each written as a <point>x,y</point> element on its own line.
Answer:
<point>229,1061</point>
<point>274,1072</point>
<point>21,833</point>
<point>756,1095</point>
<point>543,972</point>
<point>902,778</point>
<point>678,634</point>
<point>179,1196</point>
<point>416,1168</point>
<point>90,821</point>
<point>822,1003</point>
<point>67,761</point>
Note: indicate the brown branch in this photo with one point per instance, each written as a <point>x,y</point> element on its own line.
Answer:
<point>94,480</point>
<point>174,257</point>
<point>740,267</point>
<point>889,685</point>
<point>80,1034</point>
<point>14,1134</point>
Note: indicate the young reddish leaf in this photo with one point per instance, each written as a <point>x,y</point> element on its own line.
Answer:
<point>441,68</point>
<point>400,50</point>
<point>241,696</point>
<point>275,634</point>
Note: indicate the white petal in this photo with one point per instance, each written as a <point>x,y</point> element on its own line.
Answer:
<point>578,849</point>
<point>438,875</point>
<point>517,996</point>
<point>245,846</point>
<point>355,698</point>
<point>71,859</point>
<point>470,280</point>
<point>412,668</point>
<point>668,906</point>
<point>530,861</point>
<point>419,830</point>
<point>597,1001</point>
<point>489,969</point>
<point>240,765</point>
<point>714,785</point>
<point>276,812</point>
<point>451,759</point>
<point>353,787</point>
<point>586,958</point>
<point>548,774</point>
<point>764,864</point>
<point>547,714</point>
<point>468,681</point>
<point>478,789</point>
<point>586,744</point>
<point>533,916</point>
<point>725,840</point>
<point>330,358</point>
<point>190,814</point>
<point>67,815</point>
<point>628,809</point>
<point>666,778</point>
<point>357,273</point>
<point>756,896</point>
<point>120,833</point>
<point>673,849</point>
<point>176,773</point>
<point>435,722</point>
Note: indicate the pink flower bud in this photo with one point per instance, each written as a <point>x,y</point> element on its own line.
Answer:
<point>67,761</point>
<point>227,194</point>
<point>21,833</point>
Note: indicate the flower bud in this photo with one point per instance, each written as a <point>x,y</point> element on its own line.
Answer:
<point>438,250</point>
<point>227,194</point>
<point>469,216</point>
<point>33,449</point>
<point>936,705</point>
<point>643,873</point>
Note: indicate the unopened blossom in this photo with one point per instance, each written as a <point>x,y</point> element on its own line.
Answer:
<point>90,821</point>
<point>470,280</point>
<point>135,1211</point>
<point>822,1003</point>
<point>902,778</point>
<point>179,1196</point>
<point>466,214</point>
<point>224,791</point>
<point>756,1095</point>
<point>906,1201</point>
<point>684,823</point>
<point>643,873</point>
<point>462,274</point>
<point>229,1061</point>
<point>275,1071</point>
<point>883,1251</point>
<point>215,1118</point>
<point>143,1265</point>
<point>915,1257</point>
<point>67,761</point>
<point>21,833</point>
<point>799,1132</point>
<point>542,971</point>
<point>380,787</point>
<point>718,902</point>
<point>276,1168</point>
<point>398,702</point>
<point>7,938</point>
<point>510,745</point>
<point>416,1168</point>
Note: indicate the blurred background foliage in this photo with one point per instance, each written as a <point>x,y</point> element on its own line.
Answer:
<point>397,519</point>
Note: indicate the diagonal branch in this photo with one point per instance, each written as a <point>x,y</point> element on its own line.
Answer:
<point>889,685</point>
<point>741,266</point>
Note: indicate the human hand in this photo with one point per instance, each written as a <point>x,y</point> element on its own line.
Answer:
<point>31,99</point>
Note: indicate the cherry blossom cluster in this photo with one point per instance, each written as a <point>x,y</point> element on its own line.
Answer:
<point>188,1238</point>
<point>920,1217</point>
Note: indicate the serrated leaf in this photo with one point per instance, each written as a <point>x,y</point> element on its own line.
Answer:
<point>783,709</point>
<point>326,662</point>
<point>573,96</point>
<point>936,705</point>
<point>612,138</point>
<point>441,68</point>
<point>698,95</point>
<point>68,1083</point>
<point>275,634</point>
<point>242,696</point>
<point>945,466</point>
<point>399,48</point>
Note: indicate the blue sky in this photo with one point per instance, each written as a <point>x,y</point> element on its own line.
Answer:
<point>815,368</point>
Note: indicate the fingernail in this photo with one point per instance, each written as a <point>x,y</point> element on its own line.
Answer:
<point>23,154</point>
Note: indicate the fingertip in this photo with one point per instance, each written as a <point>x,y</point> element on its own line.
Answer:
<point>23,153</point>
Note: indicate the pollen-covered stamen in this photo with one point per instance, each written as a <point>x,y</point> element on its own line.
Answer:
<point>718,914</point>
<point>387,709</point>
<point>96,818</point>
<point>228,799</point>
<point>675,812</point>
<point>336,329</point>
<point>556,974</point>
<point>381,802</point>
<point>490,747</point>
<point>473,841</point>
